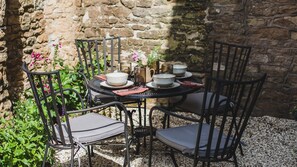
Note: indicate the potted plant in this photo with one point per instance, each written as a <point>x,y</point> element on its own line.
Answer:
<point>153,59</point>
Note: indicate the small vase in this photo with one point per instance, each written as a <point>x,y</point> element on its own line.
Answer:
<point>142,75</point>
<point>156,66</point>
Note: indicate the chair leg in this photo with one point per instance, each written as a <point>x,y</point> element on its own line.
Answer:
<point>173,158</point>
<point>240,148</point>
<point>45,154</point>
<point>72,157</point>
<point>150,151</point>
<point>195,162</point>
<point>127,154</point>
<point>203,164</point>
<point>89,156</point>
<point>235,160</point>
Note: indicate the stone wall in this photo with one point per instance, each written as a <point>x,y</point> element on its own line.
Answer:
<point>5,103</point>
<point>270,27</point>
<point>176,26</point>
<point>182,28</point>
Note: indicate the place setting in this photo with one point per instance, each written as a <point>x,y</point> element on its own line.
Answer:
<point>180,71</point>
<point>119,81</point>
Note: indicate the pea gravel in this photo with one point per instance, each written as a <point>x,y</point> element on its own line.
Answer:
<point>270,142</point>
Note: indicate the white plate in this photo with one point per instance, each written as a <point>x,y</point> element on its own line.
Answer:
<point>152,85</point>
<point>104,84</point>
<point>187,75</point>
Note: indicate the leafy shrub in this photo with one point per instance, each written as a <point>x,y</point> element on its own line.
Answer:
<point>22,140</point>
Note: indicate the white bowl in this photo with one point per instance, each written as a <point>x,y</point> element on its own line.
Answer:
<point>179,70</point>
<point>116,78</point>
<point>163,79</point>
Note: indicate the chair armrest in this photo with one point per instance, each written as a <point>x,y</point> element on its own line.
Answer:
<point>120,106</point>
<point>172,112</point>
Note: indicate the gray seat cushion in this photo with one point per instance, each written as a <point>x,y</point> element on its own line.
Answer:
<point>193,102</point>
<point>92,127</point>
<point>184,138</point>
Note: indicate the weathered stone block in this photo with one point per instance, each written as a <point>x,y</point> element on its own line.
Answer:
<point>90,32</point>
<point>160,11</point>
<point>128,3</point>
<point>140,12</point>
<point>123,32</point>
<point>78,3</point>
<point>285,23</point>
<point>31,41</point>
<point>274,70</point>
<point>292,80</point>
<point>135,42</point>
<point>255,22</point>
<point>153,34</point>
<point>293,35</point>
<point>271,33</point>
<point>38,15</point>
<point>28,50</point>
<point>144,3</point>
<point>121,12</point>
<point>139,27</point>
<point>110,2</point>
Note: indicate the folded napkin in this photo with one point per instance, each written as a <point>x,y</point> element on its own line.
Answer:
<point>100,77</point>
<point>191,84</point>
<point>134,90</point>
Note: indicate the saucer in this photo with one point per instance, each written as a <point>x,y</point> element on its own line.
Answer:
<point>154,86</point>
<point>187,75</point>
<point>104,84</point>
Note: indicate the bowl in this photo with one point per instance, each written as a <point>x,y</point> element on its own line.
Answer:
<point>163,79</point>
<point>179,69</point>
<point>116,78</point>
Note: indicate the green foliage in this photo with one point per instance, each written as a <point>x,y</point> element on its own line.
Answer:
<point>72,79</point>
<point>154,56</point>
<point>22,140</point>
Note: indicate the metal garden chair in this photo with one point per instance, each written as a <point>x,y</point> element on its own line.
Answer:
<point>69,128</point>
<point>228,62</point>
<point>216,135</point>
<point>98,57</point>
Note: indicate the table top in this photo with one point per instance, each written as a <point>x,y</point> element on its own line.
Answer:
<point>94,85</point>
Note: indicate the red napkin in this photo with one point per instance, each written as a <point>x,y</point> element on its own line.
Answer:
<point>191,84</point>
<point>124,92</point>
<point>100,77</point>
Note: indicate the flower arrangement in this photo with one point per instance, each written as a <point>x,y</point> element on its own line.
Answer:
<point>142,60</point>
<point>139,57</point>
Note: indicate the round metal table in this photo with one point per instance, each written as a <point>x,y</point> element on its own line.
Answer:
<point>94,85</point>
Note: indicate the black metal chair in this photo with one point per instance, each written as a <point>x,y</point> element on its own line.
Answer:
<point>216,135</point>
<point>68,128</point>
<point>228,62</point>
<point>100,57</point>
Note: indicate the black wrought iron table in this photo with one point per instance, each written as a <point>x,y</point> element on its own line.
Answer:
<point>94,85</point>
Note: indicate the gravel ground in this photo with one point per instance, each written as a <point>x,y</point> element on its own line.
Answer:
<point>270,142</point>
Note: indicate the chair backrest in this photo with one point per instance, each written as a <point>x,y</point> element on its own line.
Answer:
<point>49,97</point>
<point>98,56</point>
<point>228,117</point>
<point>229,61</point>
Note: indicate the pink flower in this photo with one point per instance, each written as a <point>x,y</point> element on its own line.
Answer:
<point>135,56</point>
